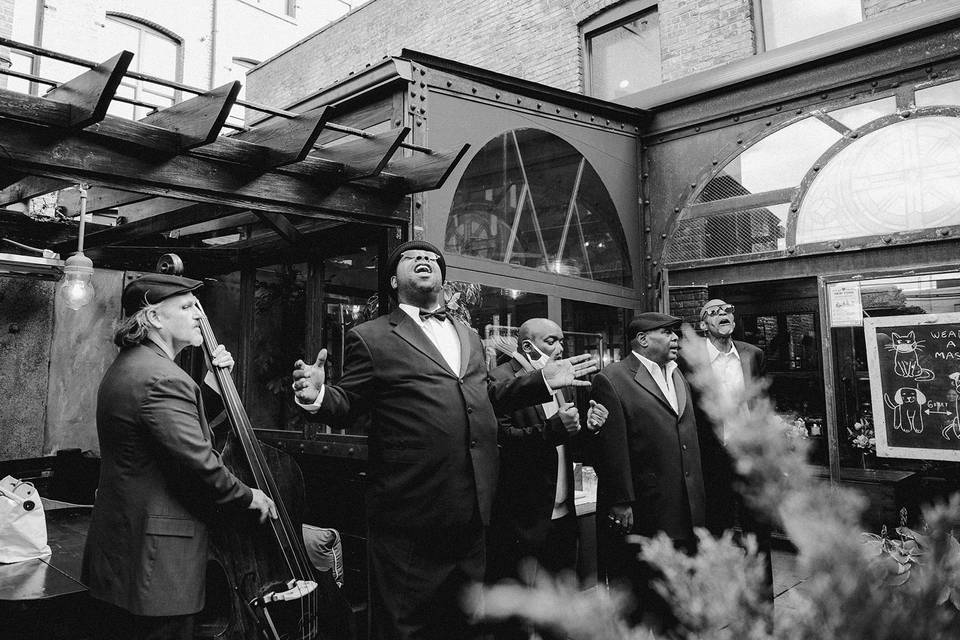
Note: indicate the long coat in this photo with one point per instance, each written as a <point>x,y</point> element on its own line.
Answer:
<point>527,486</point>
<point>146,550</point>
<point>432,460</point>
<point>649,455</point>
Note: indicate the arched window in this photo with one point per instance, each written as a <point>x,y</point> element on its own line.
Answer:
<point>530,198</point>
<point>157,52</point>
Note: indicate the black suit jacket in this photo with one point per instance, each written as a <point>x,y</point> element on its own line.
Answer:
<point>527,486</point>
<point>649,454</point>
<point>146,549</point>
<point>433,436</point>
<point>718,467</point>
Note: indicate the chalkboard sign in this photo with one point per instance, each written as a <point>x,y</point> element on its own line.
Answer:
<point>914,364</point>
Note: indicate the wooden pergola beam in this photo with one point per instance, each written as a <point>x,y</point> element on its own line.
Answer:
<point>365,157</point>
<point>78,156</point>
<point>281,225</point>
<point>98,199</point>
<point>157,224</point>
<point>29,187</point>
<point>89,94</point>
<point>424,172</point>
<point>288,140</point>
<point>198,120</point>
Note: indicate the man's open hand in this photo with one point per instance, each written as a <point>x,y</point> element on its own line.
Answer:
<point>308,379</point>
<point>564,373</point>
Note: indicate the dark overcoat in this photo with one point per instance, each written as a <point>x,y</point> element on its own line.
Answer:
<point>146,550</point>
<point>649,455</point>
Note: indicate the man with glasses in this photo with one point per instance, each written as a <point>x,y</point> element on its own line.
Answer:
<point>432,463</point>
<point>735,366</point>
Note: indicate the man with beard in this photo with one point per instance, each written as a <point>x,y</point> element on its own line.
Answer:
<point>432,462</point>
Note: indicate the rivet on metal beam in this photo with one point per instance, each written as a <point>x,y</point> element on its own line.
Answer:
<point>646,175</point>
<point>558,109</point>
<point>576,115</point>
<point>663,236</point>
<point>449,84</point>
<point>799,111</point>
<point>816,167</point>
<point>736,118</point>
<point>779,107</point>
<point>646,202</point>
<point>887,239</point>
<point>646,229</point>
<point>423,72</point>
<point>716,162</point>
<point>423,85</point>
<point>539,105</point>
<point>791,250</point>
<point>854,134</point>
<point>676,209</point>
<point>768,123</point>
<point>519,100</point>
<point>696,128</point>
<point>474,89</point>
<point>944,232</point>
<point>824,96</point>
<point>836,245</point>
<point>739,140</point>
<point>649,257</point>
<point>655,262</point>
<point>497,95</point>
<point>608,122</point>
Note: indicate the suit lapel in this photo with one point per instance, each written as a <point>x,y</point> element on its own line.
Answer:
<point>681,388</point>
<point>746,364</point>
<point>645,380</point>
<point>407,329</point>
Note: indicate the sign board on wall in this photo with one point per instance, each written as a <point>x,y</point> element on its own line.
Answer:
<point>846,308</point>
<point>914,365</point>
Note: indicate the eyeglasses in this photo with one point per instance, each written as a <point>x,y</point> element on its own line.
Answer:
<point>429,257</point>
<point>716,311</point>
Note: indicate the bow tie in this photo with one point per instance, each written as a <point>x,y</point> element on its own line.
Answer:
<point>440,314</point>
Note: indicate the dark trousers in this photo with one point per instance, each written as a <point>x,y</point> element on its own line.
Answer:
<point>623,569</point>
<point>555,552</point>
<point>109,622</point>
<point>417,580</point>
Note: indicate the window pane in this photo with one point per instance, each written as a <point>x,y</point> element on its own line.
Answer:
<point>23,64</point>
<point>626,58</point>
<point>158,56</point>
<point>788,21</point>
<point>860,114</point>
<point>25,21</point>
<point>730,234</point>
<point>900,178</point>
<point>529,198</point>
<point>942,94</point>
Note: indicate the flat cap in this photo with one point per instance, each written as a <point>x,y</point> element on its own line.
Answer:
<point>151,288</point>
<point>650,320</point>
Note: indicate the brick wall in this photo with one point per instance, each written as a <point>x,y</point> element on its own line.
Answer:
<point>537,40</point>
<point>6,30</point>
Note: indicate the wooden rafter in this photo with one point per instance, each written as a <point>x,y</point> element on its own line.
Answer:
<point>365,157</point>
<point>89,94</point>
<point>28,187</point>
<point>288,140</point>
<point>98,199</point>
<point>198,120</point>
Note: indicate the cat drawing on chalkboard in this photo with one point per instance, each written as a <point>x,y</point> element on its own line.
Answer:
<point>953,396</point>
<point>907,405</point>
<point>906,357</point>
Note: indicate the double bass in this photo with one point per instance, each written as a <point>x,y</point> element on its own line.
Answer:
<point>261,584</point>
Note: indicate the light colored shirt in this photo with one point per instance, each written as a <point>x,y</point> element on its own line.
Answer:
<point>443,335</point>
<point>728,375</point>
<point>550,409</point>
<point>726,367</point>
<point>663,376</point>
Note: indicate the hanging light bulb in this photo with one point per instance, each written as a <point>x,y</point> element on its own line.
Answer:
<point>76,290</point>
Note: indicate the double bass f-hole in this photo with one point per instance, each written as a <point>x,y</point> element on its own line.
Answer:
<point>273,589</point>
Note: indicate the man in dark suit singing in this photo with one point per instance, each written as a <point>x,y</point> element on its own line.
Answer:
<point>648,465</point>
<point>730,368</point>
<point>432,463</point>
<point>533,512</point>
<point>145,558</point>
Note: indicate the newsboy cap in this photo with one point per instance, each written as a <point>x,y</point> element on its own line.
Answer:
<point>650,320</point>
<point>414,245</point>
<point>151,288</point>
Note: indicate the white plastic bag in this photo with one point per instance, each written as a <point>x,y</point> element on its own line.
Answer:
<point>23,527</point>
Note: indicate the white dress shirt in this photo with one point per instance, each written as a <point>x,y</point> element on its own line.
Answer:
<point>728,375</point>
<point>664,379</point>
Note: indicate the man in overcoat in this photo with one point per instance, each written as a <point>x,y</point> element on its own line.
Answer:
<point>648,464</point>
<point>145,558</point>
<point>432,462</point>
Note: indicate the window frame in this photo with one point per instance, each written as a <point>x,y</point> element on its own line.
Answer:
<point>760,40</point>
<point>157,30</point>
<point>607,20</point>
